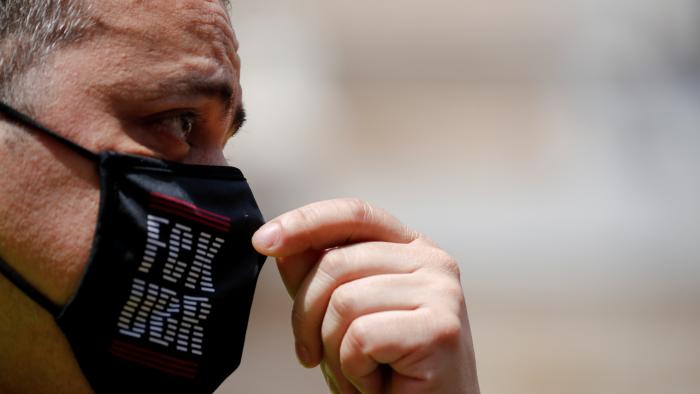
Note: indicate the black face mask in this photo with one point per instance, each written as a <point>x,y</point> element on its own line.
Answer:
<point>164,301</point>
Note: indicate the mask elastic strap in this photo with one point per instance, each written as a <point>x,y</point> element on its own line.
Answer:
<point>25,120</point>
<point>27,288</point>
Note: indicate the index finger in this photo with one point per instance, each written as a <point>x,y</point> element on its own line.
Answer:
<point>328,224</point>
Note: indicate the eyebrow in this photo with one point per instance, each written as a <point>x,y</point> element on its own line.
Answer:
<point>201,86</point>
<point>238,119</point>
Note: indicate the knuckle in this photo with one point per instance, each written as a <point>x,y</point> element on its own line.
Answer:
<point>449,291</point>
<point>447,263</point>
<point>343,302</point>
<point>453,288</point>
<point>423,239</point>
<point>333,262</point>
<point>360,210</point>
<point>447,330</point>
<point>447,294</point>
<point>297,216</point>
<point>457,294</point>
<point>357,335</point>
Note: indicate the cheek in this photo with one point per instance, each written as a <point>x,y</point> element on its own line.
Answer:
<point>50,199</point>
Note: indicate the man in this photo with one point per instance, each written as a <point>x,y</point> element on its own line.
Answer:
<point>378,305</point>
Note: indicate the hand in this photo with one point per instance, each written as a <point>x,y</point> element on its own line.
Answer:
<point>378,305</point>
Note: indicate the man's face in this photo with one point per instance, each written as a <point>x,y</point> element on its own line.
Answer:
<point>159,78</point>
<point>155,63</point>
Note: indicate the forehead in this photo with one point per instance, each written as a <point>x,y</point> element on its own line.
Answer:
<point>142,41</point>
<point>162,25</point>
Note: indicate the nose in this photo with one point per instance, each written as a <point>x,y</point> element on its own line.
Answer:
<point>209,156</point>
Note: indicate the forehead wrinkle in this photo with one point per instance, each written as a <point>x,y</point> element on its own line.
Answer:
<point>211,24</point>
<point>163,27</point>
<point>152,46</point>
<point>208,13</point>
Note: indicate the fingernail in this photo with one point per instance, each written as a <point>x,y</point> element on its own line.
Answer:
<point>303,354</point>
<point>267,236</point>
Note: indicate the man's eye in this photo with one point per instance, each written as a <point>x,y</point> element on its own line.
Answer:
<point>180,125</point>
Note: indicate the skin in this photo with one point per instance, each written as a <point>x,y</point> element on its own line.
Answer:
<point>378,305</point>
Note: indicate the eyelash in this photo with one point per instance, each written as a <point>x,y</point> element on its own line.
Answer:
<point>192,118</point>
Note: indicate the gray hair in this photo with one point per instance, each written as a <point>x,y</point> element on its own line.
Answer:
<point>30,30</point>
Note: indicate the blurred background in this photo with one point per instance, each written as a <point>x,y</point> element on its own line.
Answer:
<point>552,147</point>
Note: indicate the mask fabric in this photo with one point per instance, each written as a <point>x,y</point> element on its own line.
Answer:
<point>164,301</point>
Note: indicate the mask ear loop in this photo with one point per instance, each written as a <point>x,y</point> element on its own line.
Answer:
<point>25,120</point>
<point>13,276</point>
<point>30,291</point>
